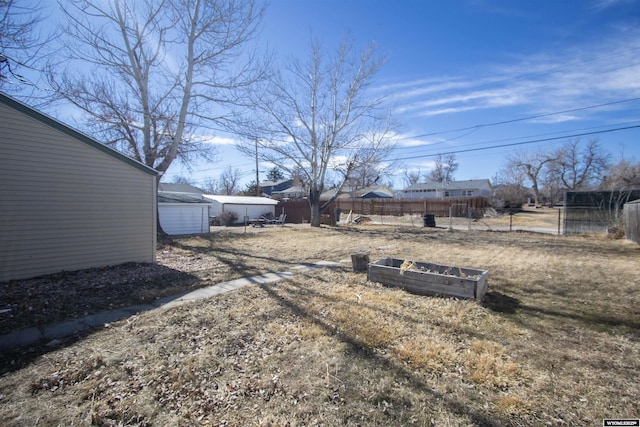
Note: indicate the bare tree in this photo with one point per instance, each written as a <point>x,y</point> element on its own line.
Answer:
<point>22,43</point>
<point>509,190</point>
<point>373,167</point>
<point>576,166</point>
<point>621,176</point>
<point>444,168</point>
<point>317,115</point>
<point>211,185</point>
<point>148,73</point>
<point>229,181</point>
<point>531,165</point>
<point>182,180</point>
<point>410,177</point>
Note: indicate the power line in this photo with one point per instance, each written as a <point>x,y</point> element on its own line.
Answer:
<point>563,133</point>
<point>475,127</point>
<point>521,143</point>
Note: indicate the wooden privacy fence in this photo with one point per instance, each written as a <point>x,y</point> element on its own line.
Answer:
<point>632,221</point>
<point>442,207</point>
<point>298,211</point>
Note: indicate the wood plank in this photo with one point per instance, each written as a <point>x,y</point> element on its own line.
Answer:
<point>427,282</point>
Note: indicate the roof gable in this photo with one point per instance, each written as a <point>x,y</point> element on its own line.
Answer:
<point>61,127</point>
<point>373,192</point>
<point>276,183</point>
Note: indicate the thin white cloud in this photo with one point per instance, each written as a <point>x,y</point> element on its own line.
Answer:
<point>600,5</point>
<point>215,140</point>
<point>542,83</point>
<point>406,140</point>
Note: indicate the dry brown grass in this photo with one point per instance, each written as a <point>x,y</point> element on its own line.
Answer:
<point>556,341</point>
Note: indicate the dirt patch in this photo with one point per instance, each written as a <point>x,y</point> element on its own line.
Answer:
<point>66,295</point>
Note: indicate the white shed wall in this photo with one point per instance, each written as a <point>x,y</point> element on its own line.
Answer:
<point>184,218</point>
<point>252,211</point>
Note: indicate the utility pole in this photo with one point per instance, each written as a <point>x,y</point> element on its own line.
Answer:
<point>257,174</point>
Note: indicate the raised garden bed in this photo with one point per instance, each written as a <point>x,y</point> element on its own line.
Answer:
<point>429,279</point>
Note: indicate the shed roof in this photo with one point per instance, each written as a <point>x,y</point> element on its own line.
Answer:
<point>179,188</point>
<point>178,197</point>
<point>240,200</point>
<point>59,126</point>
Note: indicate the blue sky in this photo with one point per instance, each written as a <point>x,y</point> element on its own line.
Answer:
<point>458,68</point>
<point>468,75</point>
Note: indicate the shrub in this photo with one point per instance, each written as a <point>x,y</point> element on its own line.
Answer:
<point>228,218</point>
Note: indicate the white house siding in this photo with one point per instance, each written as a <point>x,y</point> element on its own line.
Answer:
<point>68,204</point>
<point>184,218</point>
<point>431,190</point>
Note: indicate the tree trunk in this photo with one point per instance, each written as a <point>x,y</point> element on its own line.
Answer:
<point>314,204</point>
<point>536,194</point>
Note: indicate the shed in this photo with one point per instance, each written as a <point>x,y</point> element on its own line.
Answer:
<point>251,207</point>
<point>183,213</point>
<point>632,221</point>
<point>67,201</point>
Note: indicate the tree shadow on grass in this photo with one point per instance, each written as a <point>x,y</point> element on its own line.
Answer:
<point>238,261</point>
<point>599,320</point>
<point>363,350</point>
<point>62,308</point>
<point>500,303</point>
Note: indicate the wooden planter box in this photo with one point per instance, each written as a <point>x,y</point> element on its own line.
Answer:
<point>430,279</point>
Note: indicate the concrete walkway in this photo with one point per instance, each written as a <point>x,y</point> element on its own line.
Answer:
<point>54,331</point>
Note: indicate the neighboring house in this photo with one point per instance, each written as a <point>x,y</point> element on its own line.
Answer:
<point>68,202</point>
<point>183,213</point>
<point>251,207</point>
<point>372,192</point>
<point>268,187</point>
<point>431,190</point>
<point>375,192</point>
<point>295,192</point>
